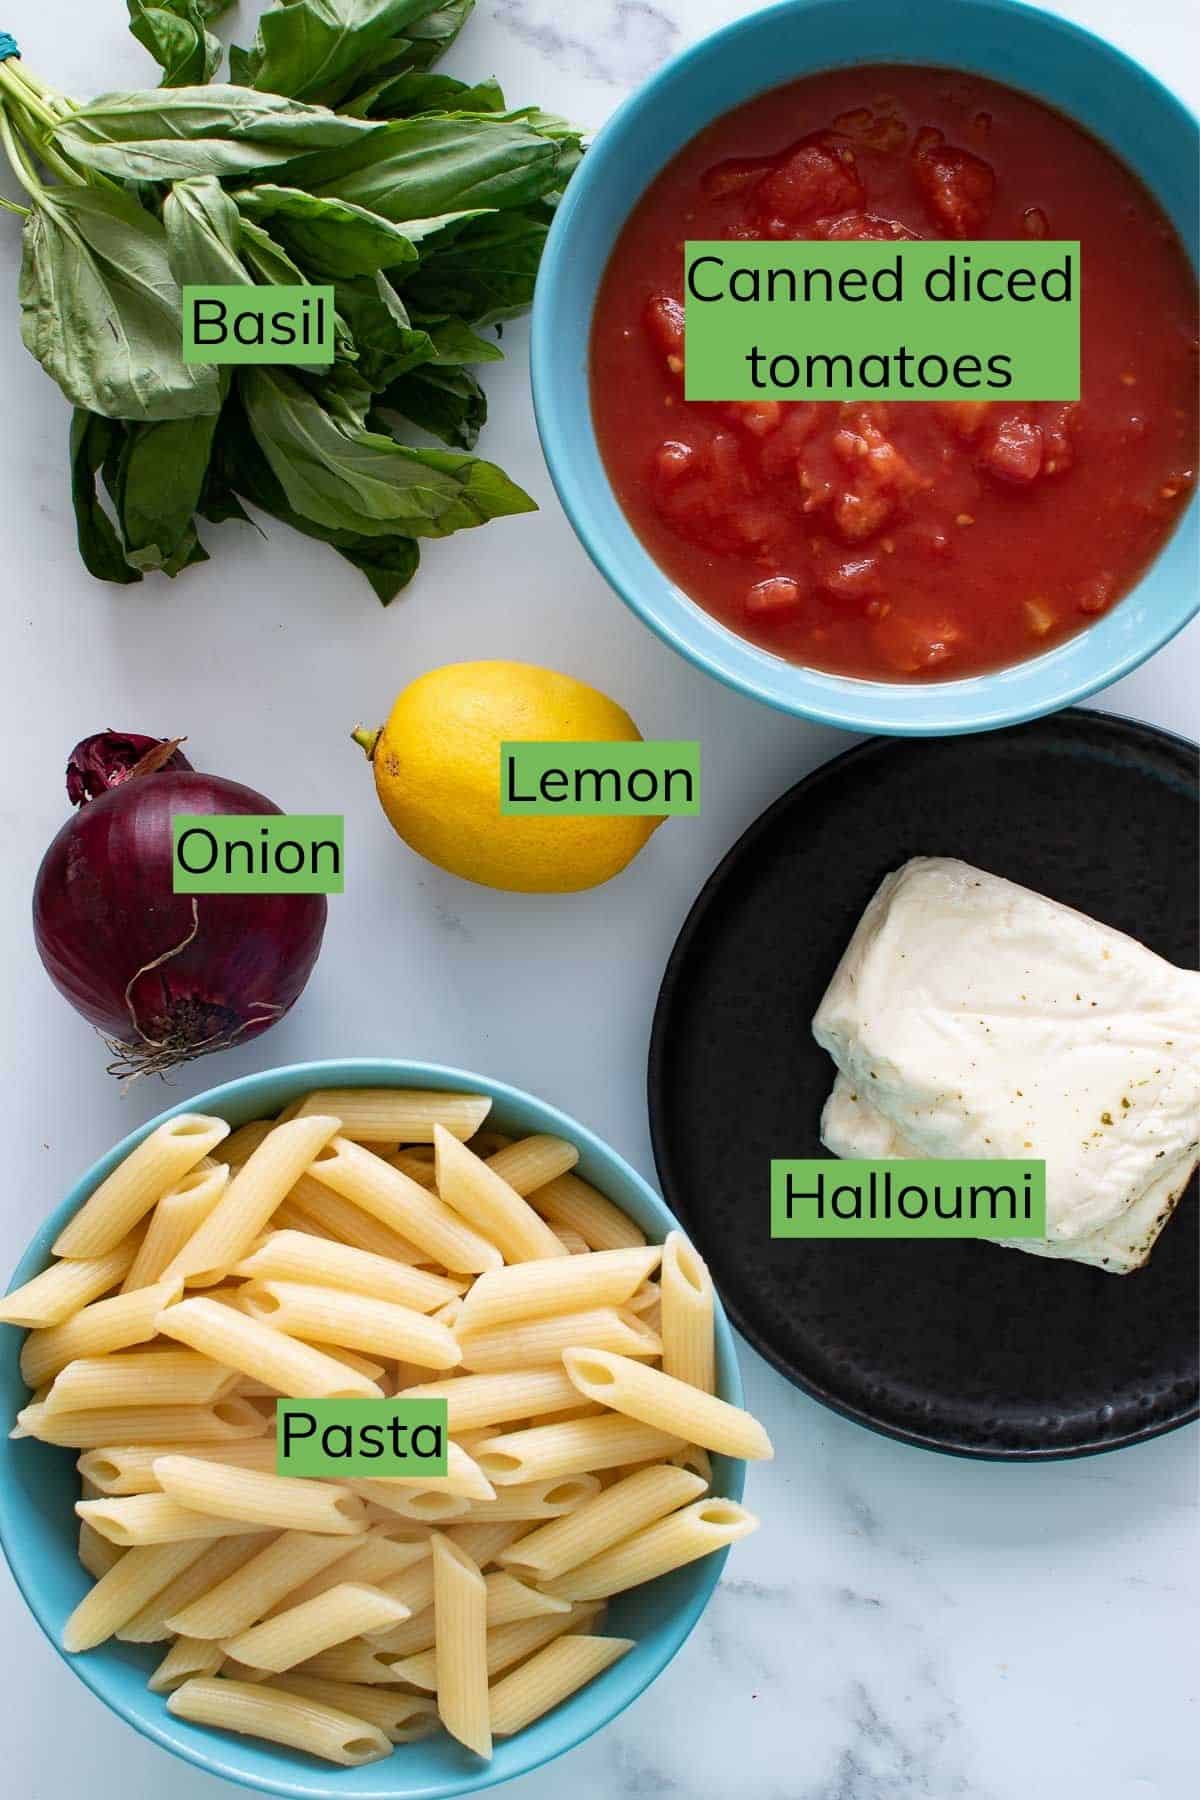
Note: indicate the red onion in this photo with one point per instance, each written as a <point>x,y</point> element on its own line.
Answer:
<point>165,977</point>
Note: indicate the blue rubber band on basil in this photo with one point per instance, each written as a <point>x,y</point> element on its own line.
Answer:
<point>8,46</point>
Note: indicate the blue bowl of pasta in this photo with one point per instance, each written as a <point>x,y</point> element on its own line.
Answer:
<point>39,1486</point>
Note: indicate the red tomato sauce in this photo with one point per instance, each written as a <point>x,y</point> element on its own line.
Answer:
<point>903,540</point>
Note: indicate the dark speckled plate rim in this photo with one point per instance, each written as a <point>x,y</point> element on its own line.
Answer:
<point>1134,735</point>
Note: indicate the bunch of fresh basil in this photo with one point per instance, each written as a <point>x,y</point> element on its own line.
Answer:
<point>335,156</point>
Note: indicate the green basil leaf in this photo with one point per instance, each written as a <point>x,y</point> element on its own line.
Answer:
<point>420,168</point>
<point>334,237</point>
<point>487,273</point>
<point>315,49</point>
<point>416,91</point>
<point>166,134</point>
<point>159,483</point>
<point>362,481</point>
<point>204,234</point>
<point>100,546</point>
<point>447,402</point>
<point>173,32</point>
<point>102,312</point>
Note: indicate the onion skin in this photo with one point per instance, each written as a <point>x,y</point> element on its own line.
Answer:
<point>228,965</point>
<point>108,758</point>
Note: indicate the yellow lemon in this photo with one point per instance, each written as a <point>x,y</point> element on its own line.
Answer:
<point>437,774</point>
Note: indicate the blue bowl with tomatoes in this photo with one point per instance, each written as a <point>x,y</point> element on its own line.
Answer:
<point>923,567</point>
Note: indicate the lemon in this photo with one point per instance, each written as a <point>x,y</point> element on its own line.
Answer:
<point>437,774</point>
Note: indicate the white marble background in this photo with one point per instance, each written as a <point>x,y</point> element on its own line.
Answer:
<point>904,1625</point>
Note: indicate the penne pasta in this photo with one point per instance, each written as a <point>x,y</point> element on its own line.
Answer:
<point>536,1343</point>
<point>230,1418</point>
<point>234,1602</point>
<point>343,1612</point>
<point>147,1378</point>
<point>399,1115</point>
<point>147,1173</point>
<point>416,1162</point>
<point>154,1519</point>
<point>614,1513</point>
<point>373,1560</point>
<point>496,1210</point>
<point>530,1162</point>
<point>423,1505</point>
<point>509,1599</point>
<point>577,1205</point>
<point>175,1218</point>
<point>281,1502</point>
<point>689,1352</point>
<point>258,1187</point>
<point>295,1256</point>
<point>318,1208</point>
<point>682,1537</point>
<point>532,1289</point>
<point>289,1217</point>
<point>548,1452</point>
<point>65,1287</point>
<point>186,1657</point>
<point>460,1612</point>
<point>463,1476</point>
<point>474,1401</point>
<point>545,1499</point>
<point>95,1330</point>
<point>571,1241</point>
<point>355,1662</point>
<point>96,1554</point>
<point>124,1590</point>
<point>222,1558</point>
<point>404,1207</point>
<point>403,1718</point>
<point>356,1321</point>
<point>506,1645</point>
<point>413,1588</point>
<point>697,1460</point>
<point>549,1676</point>
<point>240,1144</point>
<point>247,1344</point>
<point>280,1718</point>
<point>483,1542</point>
<point>660,1400</point>
<point>129,1468</point>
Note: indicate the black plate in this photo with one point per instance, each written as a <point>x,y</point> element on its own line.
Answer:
<point>957,1346</point>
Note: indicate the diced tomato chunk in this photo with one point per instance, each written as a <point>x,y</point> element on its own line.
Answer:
<point>854,578</point>
<point>964,417</point>
<point>777,594</point>
<point>958,188</point>
<point>674,460</point>
<point>759,417</point>
<point>1013,450</point>
<point>664,322</point>
<point>1096,595</point>
<point>914,645</point>
<point>1058,445</point>
<point>816,177</point>
<point>862,227</point>
<point>783,448</point>
<point>734,176</point>
<point>859,515</point>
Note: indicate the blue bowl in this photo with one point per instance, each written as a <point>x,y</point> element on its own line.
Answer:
<point>1013,43</point>
<point>39,1486</point>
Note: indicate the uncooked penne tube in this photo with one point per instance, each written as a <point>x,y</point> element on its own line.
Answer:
<point>129,1468</point>
<point>142,1378</point>
<point>571,1241</point>
<point>413,1588</point>
<point>576,1447</point>
<point>509,1599</point>
<point>414,1163</point>
<point>247,1344</point>
<point>146,1174</point>
<point>578,1205</point>
<point>689,1351</point>
<point>660,1400</point>
<point>403,1718</point>
<point>463,1476</point>
<point>289,1217</point>
<point>531,1162</point>
<point>682,1537</point>
<point>529,1290</point>
<point>95,1330</point>
<point>295,1256</point>
<point>356,1662</point>
<point>404,1206</point>
<point>175,1218</point>
<point>507,1644</point>
<point>356,1321</point>
<point>62,1289</point>
<point>240,1144</point>
<point>233,1603</point>
<point>372,1560</point>
<point>548,1677</point>
<point>423,1505</point>
<point>230,1418</point>
<point>318,1208</point>
<point>155,1519</point>
<point>186,1657</point>
<point>483,1542</point>
<point>281,1718</point>
<point>399,1115</point>
<point>460,1612</point>
<point>697,1460</point>
<point>545,1499</point>
<point>614,1513</point>
<point>343,1612</point>
<point>222,1558</point>
<point>536,1343</point>
<point>96,1554</point>
<point>126,1588</point>
<point>474,1401</point>
<point>262,1182</point>
<point>283,1502</point>
<point>496,1210</point>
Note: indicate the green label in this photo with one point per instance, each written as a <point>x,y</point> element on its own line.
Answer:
<point>258,853</point>
<point>832,1198</point>
<point>361,1437</point>
<point>231,324</point>
<point>859,321</point>
<point>575,779</point>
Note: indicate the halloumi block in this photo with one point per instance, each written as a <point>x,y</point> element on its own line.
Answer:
<point>971,1017</point>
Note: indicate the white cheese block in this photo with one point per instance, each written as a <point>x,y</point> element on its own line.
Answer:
<point>971,1017</point>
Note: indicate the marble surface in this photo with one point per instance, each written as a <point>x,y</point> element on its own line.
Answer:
<point>904,1625</point>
